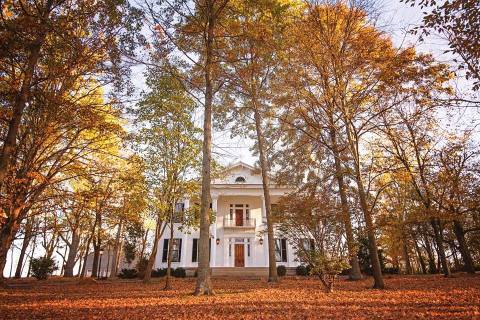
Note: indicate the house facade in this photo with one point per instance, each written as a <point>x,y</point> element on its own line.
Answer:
<point>238,238</point>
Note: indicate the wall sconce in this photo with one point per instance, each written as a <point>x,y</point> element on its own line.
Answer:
<point>217,241</point>
<point>261,241</point>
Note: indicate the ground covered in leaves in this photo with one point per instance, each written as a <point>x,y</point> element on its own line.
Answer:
<point>406,297</point>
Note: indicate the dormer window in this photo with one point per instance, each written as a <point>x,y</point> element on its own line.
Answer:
<point>240,180</point>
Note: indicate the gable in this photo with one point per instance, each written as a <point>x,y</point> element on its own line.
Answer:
<point>238,171</point>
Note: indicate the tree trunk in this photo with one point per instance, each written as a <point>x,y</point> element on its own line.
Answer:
<point>406,257</point>
<point>456,263</point>
<point>168,284</point>
<point>72,254</point>
<point>272,262</point>
<point>151,260</point>
<point>33,251</point>
<point>26,242</point>
<point>373,250</point>
<point>406,253</point>
<point>204,284</point>
<point>441,249</point>
<point>420,256</point>
<point>463,247</point>
<point>355,273</point>
<point>432,268</point>
<point>96,257</point>
<point>144,244</point>
<point>85,258</point>
<point>7,233</point>
<point>117,251</point>
<point>108,262</point>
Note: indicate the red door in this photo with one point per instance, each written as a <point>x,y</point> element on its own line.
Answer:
<point>239,217</point>
<point>239,255</point>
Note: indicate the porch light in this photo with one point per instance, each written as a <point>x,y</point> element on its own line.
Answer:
<point>261,241</point>
<point>217,241</point>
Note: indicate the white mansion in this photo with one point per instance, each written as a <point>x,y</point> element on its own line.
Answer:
<point>238,241</point>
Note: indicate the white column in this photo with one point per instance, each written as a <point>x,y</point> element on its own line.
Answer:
<point>213,258</point>
<point>183,258</point>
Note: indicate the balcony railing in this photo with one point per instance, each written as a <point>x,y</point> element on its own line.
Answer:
<point>239,223</point>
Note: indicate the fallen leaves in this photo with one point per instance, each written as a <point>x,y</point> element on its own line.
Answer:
<point>419,297</point>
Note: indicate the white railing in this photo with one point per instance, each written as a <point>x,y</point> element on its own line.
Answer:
<point>243,223</point>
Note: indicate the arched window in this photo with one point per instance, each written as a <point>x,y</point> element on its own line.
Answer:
<point>240,180</point>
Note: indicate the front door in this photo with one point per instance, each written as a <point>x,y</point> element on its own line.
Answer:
<point>239,217</point>
<point>239,255</point>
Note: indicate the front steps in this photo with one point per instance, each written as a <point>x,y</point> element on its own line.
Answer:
<point>239,272</point>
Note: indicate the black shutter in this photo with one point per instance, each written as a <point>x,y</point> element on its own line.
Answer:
<point>165,250</point>
<point>209,249</point>
<point>284,250</point>
<point>179,250</point>
<point>194,250</point>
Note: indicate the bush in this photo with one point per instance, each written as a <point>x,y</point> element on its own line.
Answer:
<point>281,271</point>
<point>128,273</point>
<point>302,270</point>
<point>390,270</point>
<point>43,267</point>
<point>158,273</point>
<point>179,273</point>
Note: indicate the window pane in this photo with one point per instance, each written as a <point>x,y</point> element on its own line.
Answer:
<point>278,250</point>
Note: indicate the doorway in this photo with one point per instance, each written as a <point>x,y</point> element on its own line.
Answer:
<point>239,255</point>
<point>238,217</point>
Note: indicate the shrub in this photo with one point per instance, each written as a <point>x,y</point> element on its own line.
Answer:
<point>390,270</point>
<point>43,267</point>
<point>301,270</point>
<point>128,273</point>
<point>281,271</point>
<point>179,273</point>
<point>158,273</point>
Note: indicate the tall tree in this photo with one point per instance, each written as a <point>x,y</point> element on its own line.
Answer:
<point>168,141</point>
<point>253,52</point>
<point>192,31</point>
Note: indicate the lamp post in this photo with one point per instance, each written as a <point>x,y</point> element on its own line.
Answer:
<point>100,264</point>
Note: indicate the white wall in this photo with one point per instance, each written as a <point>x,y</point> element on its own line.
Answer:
<point>258,253</point>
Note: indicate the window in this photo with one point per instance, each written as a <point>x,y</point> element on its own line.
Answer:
<point>178,215</point>
<point>281,250</point>
<point>176,250</point>
<point>195,249</point>
<point>240,180</point>
<point>179,207</point>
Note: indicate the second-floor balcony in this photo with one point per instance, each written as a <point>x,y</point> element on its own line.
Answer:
<point>239,223</point>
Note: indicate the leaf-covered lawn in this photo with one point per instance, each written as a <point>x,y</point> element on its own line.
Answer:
<point>406,297</point>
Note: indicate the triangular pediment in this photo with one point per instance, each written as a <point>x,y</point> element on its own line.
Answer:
<point>239,173</point>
